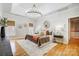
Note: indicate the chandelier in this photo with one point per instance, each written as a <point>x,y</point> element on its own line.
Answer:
<point>34,11</point>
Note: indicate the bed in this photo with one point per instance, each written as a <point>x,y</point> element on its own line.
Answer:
<point>39,40</point>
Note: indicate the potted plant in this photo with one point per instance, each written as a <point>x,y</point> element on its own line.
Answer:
<point>3,23</point>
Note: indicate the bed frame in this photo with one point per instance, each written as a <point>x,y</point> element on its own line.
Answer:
<point>39,41</point>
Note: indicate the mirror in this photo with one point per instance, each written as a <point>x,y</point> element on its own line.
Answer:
<point>46,24</point>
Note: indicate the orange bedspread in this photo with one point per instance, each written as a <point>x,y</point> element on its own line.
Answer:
<point>35,37</point>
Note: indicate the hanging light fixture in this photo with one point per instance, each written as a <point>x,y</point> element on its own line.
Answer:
<point>34,11</point>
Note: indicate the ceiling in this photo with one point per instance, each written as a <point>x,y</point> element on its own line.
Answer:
<point>45,8</point>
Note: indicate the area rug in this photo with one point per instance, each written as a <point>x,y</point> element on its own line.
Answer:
<point>33,50</point>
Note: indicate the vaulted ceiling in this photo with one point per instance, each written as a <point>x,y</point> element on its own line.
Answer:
<point>45,8</point>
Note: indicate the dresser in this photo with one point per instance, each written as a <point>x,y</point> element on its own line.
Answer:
<point>58,38</point>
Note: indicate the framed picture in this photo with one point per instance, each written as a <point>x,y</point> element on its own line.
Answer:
<point>20,27</point>
<point>30,24</point>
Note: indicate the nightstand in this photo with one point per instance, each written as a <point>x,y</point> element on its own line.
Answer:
<point>58,38</point>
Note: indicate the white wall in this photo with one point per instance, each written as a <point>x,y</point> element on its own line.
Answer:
<point>0,9</point>
<point>0,14</point>
<point>61,18</point>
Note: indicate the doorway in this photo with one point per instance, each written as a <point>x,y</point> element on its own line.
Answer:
<point>74,30</point>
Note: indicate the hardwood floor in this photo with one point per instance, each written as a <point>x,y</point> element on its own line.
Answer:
<point>71,49</point>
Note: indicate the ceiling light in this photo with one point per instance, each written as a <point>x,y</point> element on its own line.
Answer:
<point>34,12</point>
